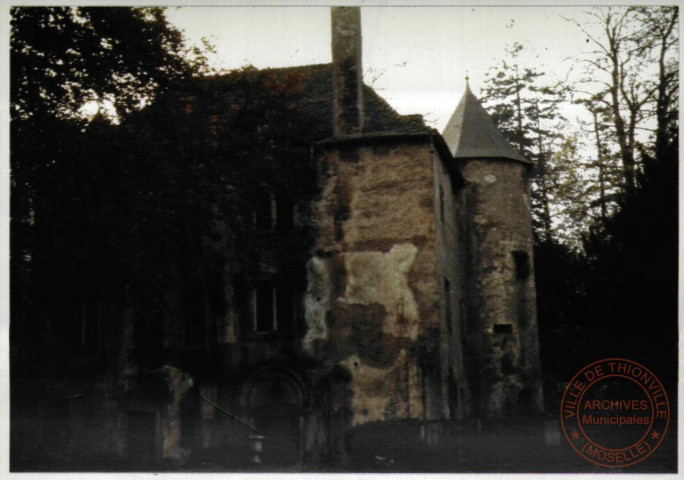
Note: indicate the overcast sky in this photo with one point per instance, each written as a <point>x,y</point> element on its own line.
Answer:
<point>421,54</point>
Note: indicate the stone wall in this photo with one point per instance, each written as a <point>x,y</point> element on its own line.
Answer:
<point>501,304</point>
<point>452,256</point>
<point>372,304</point>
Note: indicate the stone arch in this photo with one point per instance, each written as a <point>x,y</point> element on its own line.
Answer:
<point>274,382</point>
<point>276,398</point>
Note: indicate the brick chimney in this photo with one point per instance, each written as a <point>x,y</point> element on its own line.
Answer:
<point>347,73</point>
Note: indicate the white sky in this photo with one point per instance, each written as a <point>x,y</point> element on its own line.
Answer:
<point>422,53</point>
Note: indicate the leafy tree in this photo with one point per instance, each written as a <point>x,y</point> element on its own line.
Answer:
<point>63,57</point>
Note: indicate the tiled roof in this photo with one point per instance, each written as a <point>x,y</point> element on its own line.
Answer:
<point>471,133</point>
<point>312,101</point>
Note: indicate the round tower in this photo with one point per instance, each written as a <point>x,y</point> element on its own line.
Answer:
<point>501,341</point>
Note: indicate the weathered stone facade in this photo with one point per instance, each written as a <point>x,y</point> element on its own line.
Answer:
<point>371,282</point>
<point>401,289</point>
<point>500,295</point>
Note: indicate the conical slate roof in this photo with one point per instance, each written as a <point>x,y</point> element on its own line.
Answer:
<point>471,133</point>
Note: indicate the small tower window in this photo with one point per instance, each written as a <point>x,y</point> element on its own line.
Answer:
<point>503,329</point>
<point>522,264</point>
<point>265,211</point>
<point>264,315</point>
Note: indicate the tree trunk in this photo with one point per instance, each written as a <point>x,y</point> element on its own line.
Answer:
<point>601,167</point>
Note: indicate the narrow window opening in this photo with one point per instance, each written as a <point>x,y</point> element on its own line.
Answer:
<point>522,264</point>
<point>265,212</point>
<point>503,328</point>
<point>285,305</point>
<point>264,320</point>
<point>284,213</point>
<point>273,307</point>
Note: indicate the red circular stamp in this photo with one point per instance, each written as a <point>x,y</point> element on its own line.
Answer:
<point>615,412</point>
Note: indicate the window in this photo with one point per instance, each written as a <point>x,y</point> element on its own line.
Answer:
<point>273,307</point>
<point>522,264</point>
<point>264,315</point>
<point>265,212</point>
<point>285,306</point>
<point>284,211</point>
<point>503,328</point>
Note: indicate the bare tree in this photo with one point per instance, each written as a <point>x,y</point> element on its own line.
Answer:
<point>658,39</point>
<point>628,41</point>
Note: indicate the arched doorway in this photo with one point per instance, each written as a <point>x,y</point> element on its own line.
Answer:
<point>274,398</point>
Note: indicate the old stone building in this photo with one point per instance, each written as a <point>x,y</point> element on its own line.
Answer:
<point>411,299</point>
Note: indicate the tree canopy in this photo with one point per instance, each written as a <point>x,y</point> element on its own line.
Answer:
<point>63,57</point>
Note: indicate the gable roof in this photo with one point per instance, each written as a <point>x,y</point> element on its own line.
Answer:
<point>312,102</point>
<point>471,133</point>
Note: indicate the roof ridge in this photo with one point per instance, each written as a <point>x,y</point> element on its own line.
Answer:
<point>315,99</point>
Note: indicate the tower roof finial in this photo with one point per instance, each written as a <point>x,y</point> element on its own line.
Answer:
<point>466,79</point>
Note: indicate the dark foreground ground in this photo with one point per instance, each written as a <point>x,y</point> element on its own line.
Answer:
<point>535,446</point>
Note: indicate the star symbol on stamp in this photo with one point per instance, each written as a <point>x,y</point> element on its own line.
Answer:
<point>655,434</point>
<point>575,435</point>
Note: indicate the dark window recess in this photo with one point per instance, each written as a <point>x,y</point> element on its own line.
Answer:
<point>285,307</point>
<point>522,264</point>
<point>264,212</point>
<point>441,204</point>
<point>503,328</point>
<point>90,320</point>
<point>274,307</point>
<point>265,312</point>
<point>447,306</point>
<point>284,213</point>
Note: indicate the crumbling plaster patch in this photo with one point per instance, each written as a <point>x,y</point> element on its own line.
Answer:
<point>365,324</point>
<point>377,277</point>
<point>372,278</point>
